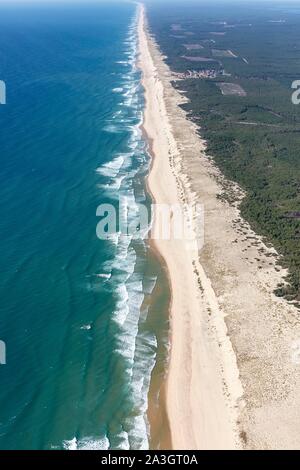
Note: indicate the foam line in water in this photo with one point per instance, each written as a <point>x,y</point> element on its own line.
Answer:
<point>126,283</point>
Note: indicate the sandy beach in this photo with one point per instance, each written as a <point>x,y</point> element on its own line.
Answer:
<point>234,377</point>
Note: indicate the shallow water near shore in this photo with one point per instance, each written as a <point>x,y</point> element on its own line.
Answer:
<point>85,321</point>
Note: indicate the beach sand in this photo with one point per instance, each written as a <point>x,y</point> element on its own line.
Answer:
<point>234,376</point>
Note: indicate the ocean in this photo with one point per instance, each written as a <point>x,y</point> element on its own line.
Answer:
<point>84,320</point>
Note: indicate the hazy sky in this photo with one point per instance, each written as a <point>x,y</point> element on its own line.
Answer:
<point>161,1</point>
<point>149,1</point>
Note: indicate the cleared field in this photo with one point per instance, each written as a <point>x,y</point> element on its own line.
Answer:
<point>223,53</point>
<point>231,89</point>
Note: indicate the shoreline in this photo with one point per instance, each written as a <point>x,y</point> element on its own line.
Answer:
<point>160,433</point>
<point>188,428</point>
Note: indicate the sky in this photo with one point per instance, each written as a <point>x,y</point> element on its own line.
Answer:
<point>148,1</point>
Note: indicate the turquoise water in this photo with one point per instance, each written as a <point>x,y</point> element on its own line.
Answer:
<point>82,336</point>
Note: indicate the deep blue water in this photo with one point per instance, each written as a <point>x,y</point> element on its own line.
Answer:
<point>73,310</point>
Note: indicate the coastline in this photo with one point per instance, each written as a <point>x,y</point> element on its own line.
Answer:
<point>233,380</point>
<point>159,424</point>
<point>189,399</point>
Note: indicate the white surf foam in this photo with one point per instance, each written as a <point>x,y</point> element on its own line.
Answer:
<point>87,443</point>
<point>112,168</point>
